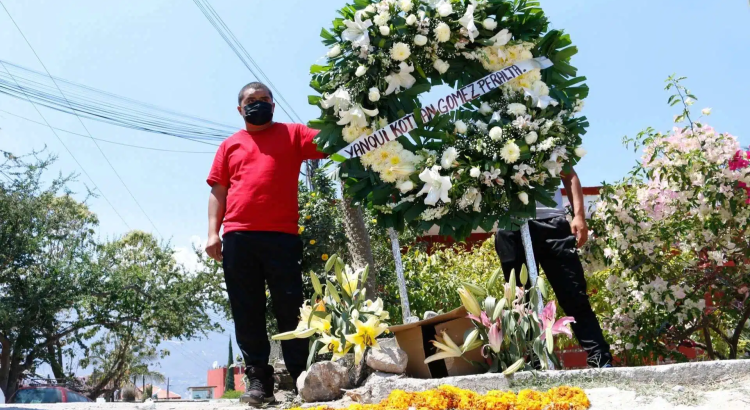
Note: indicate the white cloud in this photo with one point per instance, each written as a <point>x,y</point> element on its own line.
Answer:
<point>186,255</point>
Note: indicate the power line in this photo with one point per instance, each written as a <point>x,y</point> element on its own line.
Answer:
<point>243,55</point>
<point>81,121</point>
<point>108,141</point>
<point>68,150</point>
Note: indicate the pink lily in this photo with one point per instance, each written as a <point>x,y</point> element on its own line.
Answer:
<point>548,320</point>
<point>484,320</point>
<point>495,338</point>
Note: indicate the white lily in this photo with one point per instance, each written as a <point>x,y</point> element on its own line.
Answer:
<point>339,100</point>
<point>539,94</point>
<point>449,157</point>
<point>356,31</point>
<point>435,186</point>
<point>468,20</point>
<point>402,79</point>
<point>356,115</point>
<point>502,38</point>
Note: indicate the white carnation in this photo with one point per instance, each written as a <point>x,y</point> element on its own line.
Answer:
<point>374,94</point>
<point>361,70</point>
<point>516,109</point>
<point>400,51</point>
<point>489,24</point>
<point>485,108</point>
<point>334,51</point>
<point>449,157</point>
<point>385,30</point>
<point>580,152</point>
<point>381,19</point>
<point>442,32</point>
<point>531,137</point>
<point>411,19</point>
<point>475,172</point>
<point>461,127</point>
<point>420,40</point>
<point>523,197</point>
<point>496,133</point>
<point>406,5</point>
<point>441,66</point>
<point>510,152</point>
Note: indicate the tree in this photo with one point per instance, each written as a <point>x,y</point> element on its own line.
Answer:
<point>671,243</point>
<point>60,288</point>
<point>359,245</point>
<point>229,381</point>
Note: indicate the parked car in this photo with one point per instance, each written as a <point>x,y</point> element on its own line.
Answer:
<point>46,394</point>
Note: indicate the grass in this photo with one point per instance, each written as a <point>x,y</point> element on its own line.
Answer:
<point>231,394</point>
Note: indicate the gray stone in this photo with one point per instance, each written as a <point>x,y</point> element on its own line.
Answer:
<point>323,381</point>
<point>678,389</point>
<point>429,315</point>
<point>389,358</point>
<point>358,372</point>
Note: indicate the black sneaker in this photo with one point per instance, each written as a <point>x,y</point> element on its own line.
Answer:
<point>268,386</point>
<point>255,390</point>
<point>597,360</point>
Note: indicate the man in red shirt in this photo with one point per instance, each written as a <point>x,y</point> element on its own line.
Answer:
<point>254,193</point>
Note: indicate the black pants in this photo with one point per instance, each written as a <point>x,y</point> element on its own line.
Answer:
<point>252,260</point>
<point>555,250</point>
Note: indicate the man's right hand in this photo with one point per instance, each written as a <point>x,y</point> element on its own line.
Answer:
<point>213,247</point>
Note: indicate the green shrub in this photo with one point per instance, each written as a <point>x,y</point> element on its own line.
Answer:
<point>231,394</point>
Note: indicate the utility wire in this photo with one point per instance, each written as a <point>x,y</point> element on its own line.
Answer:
<point>67,149</point>
<point>81,121</point>
<point>108,141</point>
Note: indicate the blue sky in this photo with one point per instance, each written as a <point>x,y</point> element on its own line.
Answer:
<point>165,53</point>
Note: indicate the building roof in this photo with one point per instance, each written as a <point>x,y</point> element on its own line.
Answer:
<point>201,387</point>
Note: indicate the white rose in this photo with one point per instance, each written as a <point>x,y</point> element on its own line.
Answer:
<point>449,157</point>
<point>496,133</point>
<point>441,66</point>
<point>516,109</point>
<point>580,152</point>
<point>400,52</point>
<point>334,51</point>
<point>374,94</point>
<point>475,172</point>
<point>420,40</point>
<point>445,9</point>
<point>531,137</point>
<point>406,5</point>
<point>485,108</point>
<point>385,30</point>
<point>489,24</point>
<point>706,111</point>
<point>361,70</point>
<point>461,127</point>
<point>405,186</point>
<point>411,20</point>
<point>523,197</point>
<point>442,32</point>
<point>370,9</point>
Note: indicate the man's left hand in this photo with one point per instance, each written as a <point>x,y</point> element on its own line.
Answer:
<point>579,228</point>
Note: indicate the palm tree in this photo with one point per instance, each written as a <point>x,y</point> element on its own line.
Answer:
<point>359,246</point>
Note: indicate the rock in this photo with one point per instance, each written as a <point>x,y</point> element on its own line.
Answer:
<point>323,381</point>
<point>389,358</point>
<point>358,372</point>
<point>429,315</point>
<point>283,381</point>
<point>678,389</point>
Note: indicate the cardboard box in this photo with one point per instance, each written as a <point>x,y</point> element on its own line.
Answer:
<point>415,339</point>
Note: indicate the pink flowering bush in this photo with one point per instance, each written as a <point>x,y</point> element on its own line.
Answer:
<point>670,246</point>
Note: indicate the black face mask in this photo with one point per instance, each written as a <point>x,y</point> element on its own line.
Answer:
<point>258,113</point>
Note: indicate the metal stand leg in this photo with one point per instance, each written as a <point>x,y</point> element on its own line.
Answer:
<point>532,269</point>
<point>405,311</point>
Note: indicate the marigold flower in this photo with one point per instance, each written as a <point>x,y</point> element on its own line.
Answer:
<point>324,257</point>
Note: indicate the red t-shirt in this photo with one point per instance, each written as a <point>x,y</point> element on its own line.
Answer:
<point>261,171</point>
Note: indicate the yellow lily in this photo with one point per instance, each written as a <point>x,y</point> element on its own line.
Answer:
<point>376,309</point>
<point>469,301</point>
<point>365,337</point>
<point>333,345</point>
<point>350,280</point>
<point>447,348</point>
